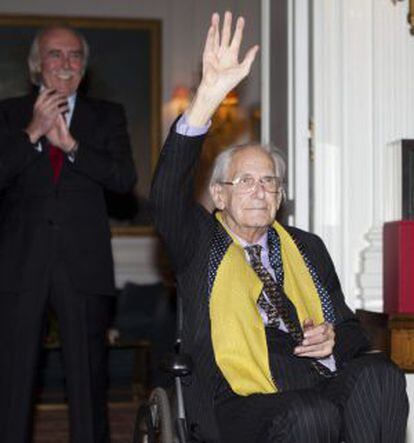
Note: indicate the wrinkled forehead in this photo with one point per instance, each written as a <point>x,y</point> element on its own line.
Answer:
<point>58,38</point>
<point>253,161</point>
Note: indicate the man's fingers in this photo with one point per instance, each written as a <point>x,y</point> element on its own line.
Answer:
<point>209,46</point>
<point>51,100</point>
<point>61,122</point>
<point>55,104</point>
<point>317,339</point>
<point>249,58</point>
<point>307,324</point>
<point>323,328</point>
<point>210,39</point>
<point>315,331</point>
<point>238,35</point>
<point>215,22</point>
<point>63,107</point>
<point>317,350</point>
<point>226,32</point>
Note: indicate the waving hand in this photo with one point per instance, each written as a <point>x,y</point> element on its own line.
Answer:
<point>222,70</point>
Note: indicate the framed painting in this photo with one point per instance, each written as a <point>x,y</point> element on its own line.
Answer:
<point>124,66</point>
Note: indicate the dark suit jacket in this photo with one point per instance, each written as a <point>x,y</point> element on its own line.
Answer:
<point>187,230</point>
<point>32,206</point>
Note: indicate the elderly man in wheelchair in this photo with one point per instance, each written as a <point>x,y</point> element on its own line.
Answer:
<point>278,356</point>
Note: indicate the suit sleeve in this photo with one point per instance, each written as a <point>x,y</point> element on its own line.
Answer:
<point>350,338</point>
<point>106,156</point>
<point>16,151</point>
<point>174,209</point>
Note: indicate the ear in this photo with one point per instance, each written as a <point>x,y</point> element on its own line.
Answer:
<point>216,192</point>
<point>280,198</point>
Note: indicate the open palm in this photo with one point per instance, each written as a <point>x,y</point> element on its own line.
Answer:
<point>221,67</point>
<point>222,70</point>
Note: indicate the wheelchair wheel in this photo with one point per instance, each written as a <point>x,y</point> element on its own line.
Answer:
<point>161,414</point>
<point>153,423</point>
<point>144,431</point>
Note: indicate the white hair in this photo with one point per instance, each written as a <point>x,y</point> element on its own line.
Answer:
<point>33,60</point>
<point>223,160</point>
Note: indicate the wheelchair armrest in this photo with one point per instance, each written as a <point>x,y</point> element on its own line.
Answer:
<point>177,364</point>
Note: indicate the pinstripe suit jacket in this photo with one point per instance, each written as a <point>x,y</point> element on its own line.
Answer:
<point>187,230</point>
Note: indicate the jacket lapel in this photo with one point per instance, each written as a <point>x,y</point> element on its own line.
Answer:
<point>82,123</point>
<point>81,126</point>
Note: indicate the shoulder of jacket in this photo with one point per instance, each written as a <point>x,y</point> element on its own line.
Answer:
<point>13,102</point>
<point>300,233</point>
<point>100,103</point>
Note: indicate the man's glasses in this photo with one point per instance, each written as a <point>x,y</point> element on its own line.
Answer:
<point>247,183</point>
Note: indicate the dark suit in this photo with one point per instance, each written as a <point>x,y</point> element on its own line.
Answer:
<point>57,235</point>
<point>188,231</point>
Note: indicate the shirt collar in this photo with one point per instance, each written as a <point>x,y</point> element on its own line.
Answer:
<point>262,240</point>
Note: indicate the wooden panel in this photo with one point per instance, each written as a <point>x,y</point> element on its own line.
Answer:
<point>402,348</point>
<point>402,341</point>
<point>375,325</point>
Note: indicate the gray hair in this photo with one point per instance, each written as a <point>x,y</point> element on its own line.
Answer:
<point>223,160</point>
<point>33,60</point>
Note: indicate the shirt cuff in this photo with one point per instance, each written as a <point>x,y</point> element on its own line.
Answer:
<point>183,128</point>
<point>72,154</point>
<point>329,362</point>
<point>36,146</point>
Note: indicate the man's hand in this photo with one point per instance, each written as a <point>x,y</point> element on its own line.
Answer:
<point>60,136</point>
<point>221,69</point>
<point>48,106</point>
<point>318,340</point>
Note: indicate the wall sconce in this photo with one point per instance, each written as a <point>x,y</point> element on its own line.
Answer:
<point>410,16</point>
<point>180,99</point>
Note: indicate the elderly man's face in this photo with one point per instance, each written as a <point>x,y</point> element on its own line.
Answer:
<point>61,60</point>
<point>248,214</point>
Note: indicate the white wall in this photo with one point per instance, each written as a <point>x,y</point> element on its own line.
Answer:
<point>184,22</point>
<point>363,60</point>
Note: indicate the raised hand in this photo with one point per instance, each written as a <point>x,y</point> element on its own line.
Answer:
<point>48,106</point>
<point>222,70</point>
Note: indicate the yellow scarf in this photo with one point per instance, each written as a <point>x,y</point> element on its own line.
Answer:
<point>237,329</point>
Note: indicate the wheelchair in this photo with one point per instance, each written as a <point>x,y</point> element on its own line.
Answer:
<point>161,418</point>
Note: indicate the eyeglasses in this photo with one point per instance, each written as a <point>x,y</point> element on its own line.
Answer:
<point>247,183</point>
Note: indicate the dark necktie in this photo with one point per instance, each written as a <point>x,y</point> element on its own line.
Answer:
<point>278,306</point>
<point>56,160</point>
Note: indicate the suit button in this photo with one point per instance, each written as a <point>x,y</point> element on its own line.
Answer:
<point>52,223</point>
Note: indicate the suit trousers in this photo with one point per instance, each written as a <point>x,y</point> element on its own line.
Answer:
<point>365,403</point>
<point>83,320</point>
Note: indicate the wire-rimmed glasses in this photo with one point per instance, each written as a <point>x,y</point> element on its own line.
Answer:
<point>247,183</point>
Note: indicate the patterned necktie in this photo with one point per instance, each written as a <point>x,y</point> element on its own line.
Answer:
<point>278,304</point>
<point>56,160</point>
